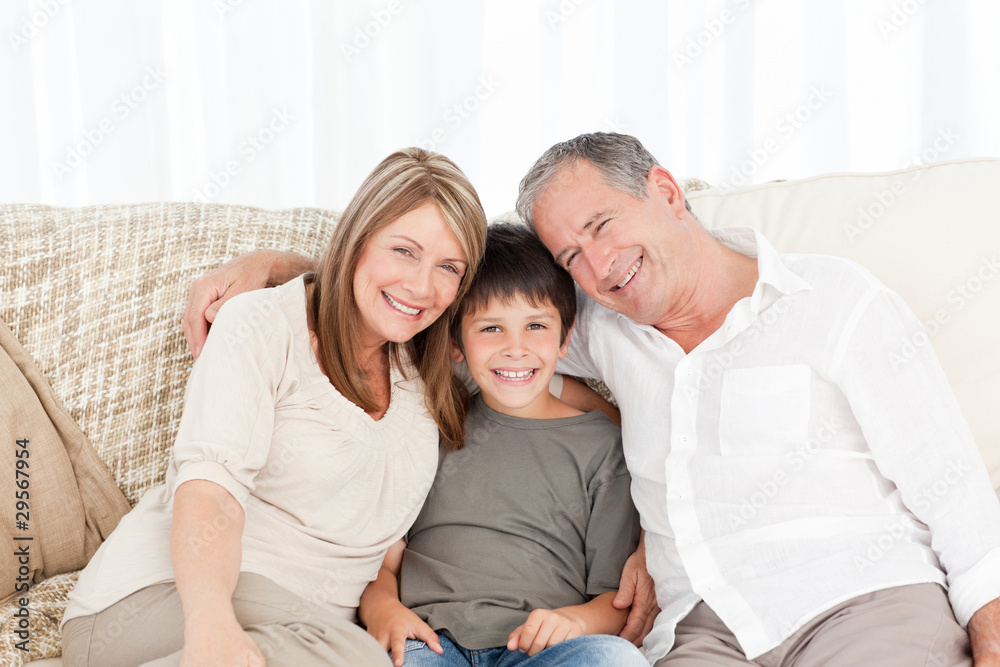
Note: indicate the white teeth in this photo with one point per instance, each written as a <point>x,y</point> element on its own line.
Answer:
<point>400,307</point>
<point>635,267</point>
<point>516,375</point>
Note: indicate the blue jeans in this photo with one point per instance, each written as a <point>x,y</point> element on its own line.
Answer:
<point>586,651</point>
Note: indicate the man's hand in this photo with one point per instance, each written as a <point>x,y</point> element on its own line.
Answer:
<point>637,590</point>
<point>254,270</point>
<point>220,642</point>
<point>393,625</point>
<point>544,628</point>
<point>984,635</point>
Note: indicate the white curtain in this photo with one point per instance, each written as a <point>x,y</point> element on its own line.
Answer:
<point>291,103</point>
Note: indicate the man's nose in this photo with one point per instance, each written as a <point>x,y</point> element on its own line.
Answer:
<point>599,258</point>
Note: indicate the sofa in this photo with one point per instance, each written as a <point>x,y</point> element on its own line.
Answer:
<point>95,296</point>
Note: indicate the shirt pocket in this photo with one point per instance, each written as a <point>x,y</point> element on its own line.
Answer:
<point>764,411</point>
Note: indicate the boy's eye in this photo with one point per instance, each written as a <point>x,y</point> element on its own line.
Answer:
<point>536,325</point>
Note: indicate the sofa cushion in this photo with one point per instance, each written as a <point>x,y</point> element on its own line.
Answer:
<point>931,233</point>
<point>64,502</point>
<point>96,294</point>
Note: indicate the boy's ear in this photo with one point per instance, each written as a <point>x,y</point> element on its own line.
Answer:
<point>456,352</point>
<point>564,348</point>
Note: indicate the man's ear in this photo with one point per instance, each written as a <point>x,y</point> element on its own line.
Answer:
<point>456,352</point>
<point>661,181</point>
<point>564,348</point>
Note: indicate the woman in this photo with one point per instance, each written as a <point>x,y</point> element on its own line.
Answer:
<point>308,443</point>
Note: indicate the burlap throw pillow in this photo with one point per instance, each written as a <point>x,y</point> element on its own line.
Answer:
<point>58,501</point>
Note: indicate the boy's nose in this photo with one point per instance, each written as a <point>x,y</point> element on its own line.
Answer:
<point>515,346</point>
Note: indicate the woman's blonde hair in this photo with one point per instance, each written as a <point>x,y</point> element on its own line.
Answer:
<point>402,182</point>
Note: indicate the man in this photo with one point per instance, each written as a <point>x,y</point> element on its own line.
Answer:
<point>740,371</point>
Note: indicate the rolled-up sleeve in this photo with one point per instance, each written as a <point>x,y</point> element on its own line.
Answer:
<point>921,441</point>
<point>227,425</point>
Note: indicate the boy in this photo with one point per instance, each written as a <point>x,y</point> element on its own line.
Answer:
<point>516,555</point>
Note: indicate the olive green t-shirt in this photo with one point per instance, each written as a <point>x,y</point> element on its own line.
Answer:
<point>531,513</point>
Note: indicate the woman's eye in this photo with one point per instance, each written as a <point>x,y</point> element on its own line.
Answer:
<point>492,329</point>
<point>403,251</point>
<point>453,269</point>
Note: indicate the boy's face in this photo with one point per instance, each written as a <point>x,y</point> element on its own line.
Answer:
<point>512,349</point>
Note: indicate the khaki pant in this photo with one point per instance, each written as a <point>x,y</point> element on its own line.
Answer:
<point>906,626</point>
<point>147,627</point>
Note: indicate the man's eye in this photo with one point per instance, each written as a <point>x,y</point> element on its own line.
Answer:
<point>601,226</point>
<point>569,260</point>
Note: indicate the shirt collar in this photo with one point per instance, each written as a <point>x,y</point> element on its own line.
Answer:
<point>774,279</point>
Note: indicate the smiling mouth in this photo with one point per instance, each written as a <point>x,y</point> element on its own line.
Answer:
<point>400,307</point>
<point>627,278</point>
<point>516,376</point>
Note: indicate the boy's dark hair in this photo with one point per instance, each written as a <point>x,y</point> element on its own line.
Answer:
<point>517,264</point>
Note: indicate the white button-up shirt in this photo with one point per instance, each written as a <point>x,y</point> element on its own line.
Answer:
<point>807,452</point>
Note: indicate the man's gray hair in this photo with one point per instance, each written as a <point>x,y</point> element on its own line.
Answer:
<point>622,161</point>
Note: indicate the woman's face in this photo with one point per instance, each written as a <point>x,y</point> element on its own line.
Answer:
<point>408,275</point>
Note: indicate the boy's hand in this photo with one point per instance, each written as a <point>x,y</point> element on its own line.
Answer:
<point>392,627</point>
<point>544,628</point>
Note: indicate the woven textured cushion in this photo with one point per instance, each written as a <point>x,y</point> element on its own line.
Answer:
<point>66,502</point>
<point>95,295</point>
<point>48,603</point>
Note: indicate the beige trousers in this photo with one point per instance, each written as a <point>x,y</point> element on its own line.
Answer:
<point>906,626</point>
<point>147,628</point>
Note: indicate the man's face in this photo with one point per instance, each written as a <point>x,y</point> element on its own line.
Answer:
<point>634,256</point>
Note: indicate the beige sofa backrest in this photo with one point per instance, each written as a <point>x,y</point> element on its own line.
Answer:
<point>931,233</point>
<point>96,294</point>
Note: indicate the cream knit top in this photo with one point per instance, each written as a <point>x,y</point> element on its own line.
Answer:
<point>325,489</point>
